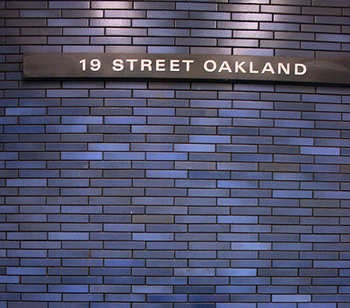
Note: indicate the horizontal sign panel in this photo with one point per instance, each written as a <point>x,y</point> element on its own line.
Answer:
<point>181,66</point>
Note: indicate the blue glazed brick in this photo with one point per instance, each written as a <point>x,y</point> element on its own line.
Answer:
<point>24,129</point>
<point>252,157</point>
<point>26,304</point>
<point>194,272</point>
<point>194,148</point>
<point>68,289</point>
<point>251,246</point>
<point>68,236</point>
<point>81,120</point>
<point>291,298</point>
<point>25,111</point>
<point>80,191</point>
<point>239,113</point>
<point>110,183</point>
<point>166,156</point>
<point>9,279</point>
<point>210,121</point>
<point>154,93</point>
<point>321,305</point>
<point>209,298</point>
<point>150,147</point>
<point>209,139</point>
<point>67,93</point>
<point>319,151</point>
<point>66,128</point>
<point>165,174</point>
<point>125,120</point>
<point>237,184</point>
<point>235,289</point>
<point>236,272</point>
<point>26,271</point>
<point>124,263</point>
<point>83,297</point>
<point>81,155</point>
<point>109,289</point>
<point>77,111</point>
<point>26,182</point>
<point>110,93</point>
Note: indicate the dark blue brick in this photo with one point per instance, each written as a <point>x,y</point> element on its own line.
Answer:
<point>26,271</point>
<point>24,129</point>
<point>23,304</point>
<point>166,298</point>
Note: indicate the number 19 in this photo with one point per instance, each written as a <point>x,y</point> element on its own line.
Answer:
<point>95,65</point>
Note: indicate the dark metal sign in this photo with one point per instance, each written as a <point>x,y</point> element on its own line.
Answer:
<point>181,66</point>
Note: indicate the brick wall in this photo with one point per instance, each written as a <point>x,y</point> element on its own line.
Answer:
<point>145,194</point>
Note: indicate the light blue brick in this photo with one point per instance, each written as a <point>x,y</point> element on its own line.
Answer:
<point>319,151</point>
<point>8,156</point>
<point>61,129</point>
<point>166,156</point>
<point>298,298</point>
<point>332,194</point>
<point>120,120</point>
<point>194,148</point>
<point>153,236</point>
<point>292,194</point>
<point>166,174</point>
<point>237,202</point>
<point>250,246</point>
<point>124,263</point>
<point>68,236</point>
<point>9,279</point>
<point>235,289</point>
<point>33,271</point>
<point>237,219</point>
<point>239,305</point>
<point>26,182</point>
<point>123,156</point>
<point>152,289</point>
<point>68,289</point>
<point>317,305</point>
<point>210,121</point>
<point>236,272</point>
<point>205,272</point>
<point>209,139</point>
<point>81,120</point>
<point>24,129</point>
<point>321,98</point>
<point>81,155</point>
<point>237,184</point>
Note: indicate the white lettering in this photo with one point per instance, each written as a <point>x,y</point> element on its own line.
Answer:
<point>160,65</point>
<point>238,67</point>
<point>251,68</point>
<point>268,68</point>
<point>83,64</point>
<point>281,68</point>
<point>131,61</point>
<point>188,64</point>
<point>213,64</point>
<point>174,65</point>
<point>300,66</point>
<point>95,65</point>
<point>225,67</point>
<point>118,65</point>
<point>146,63</point>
